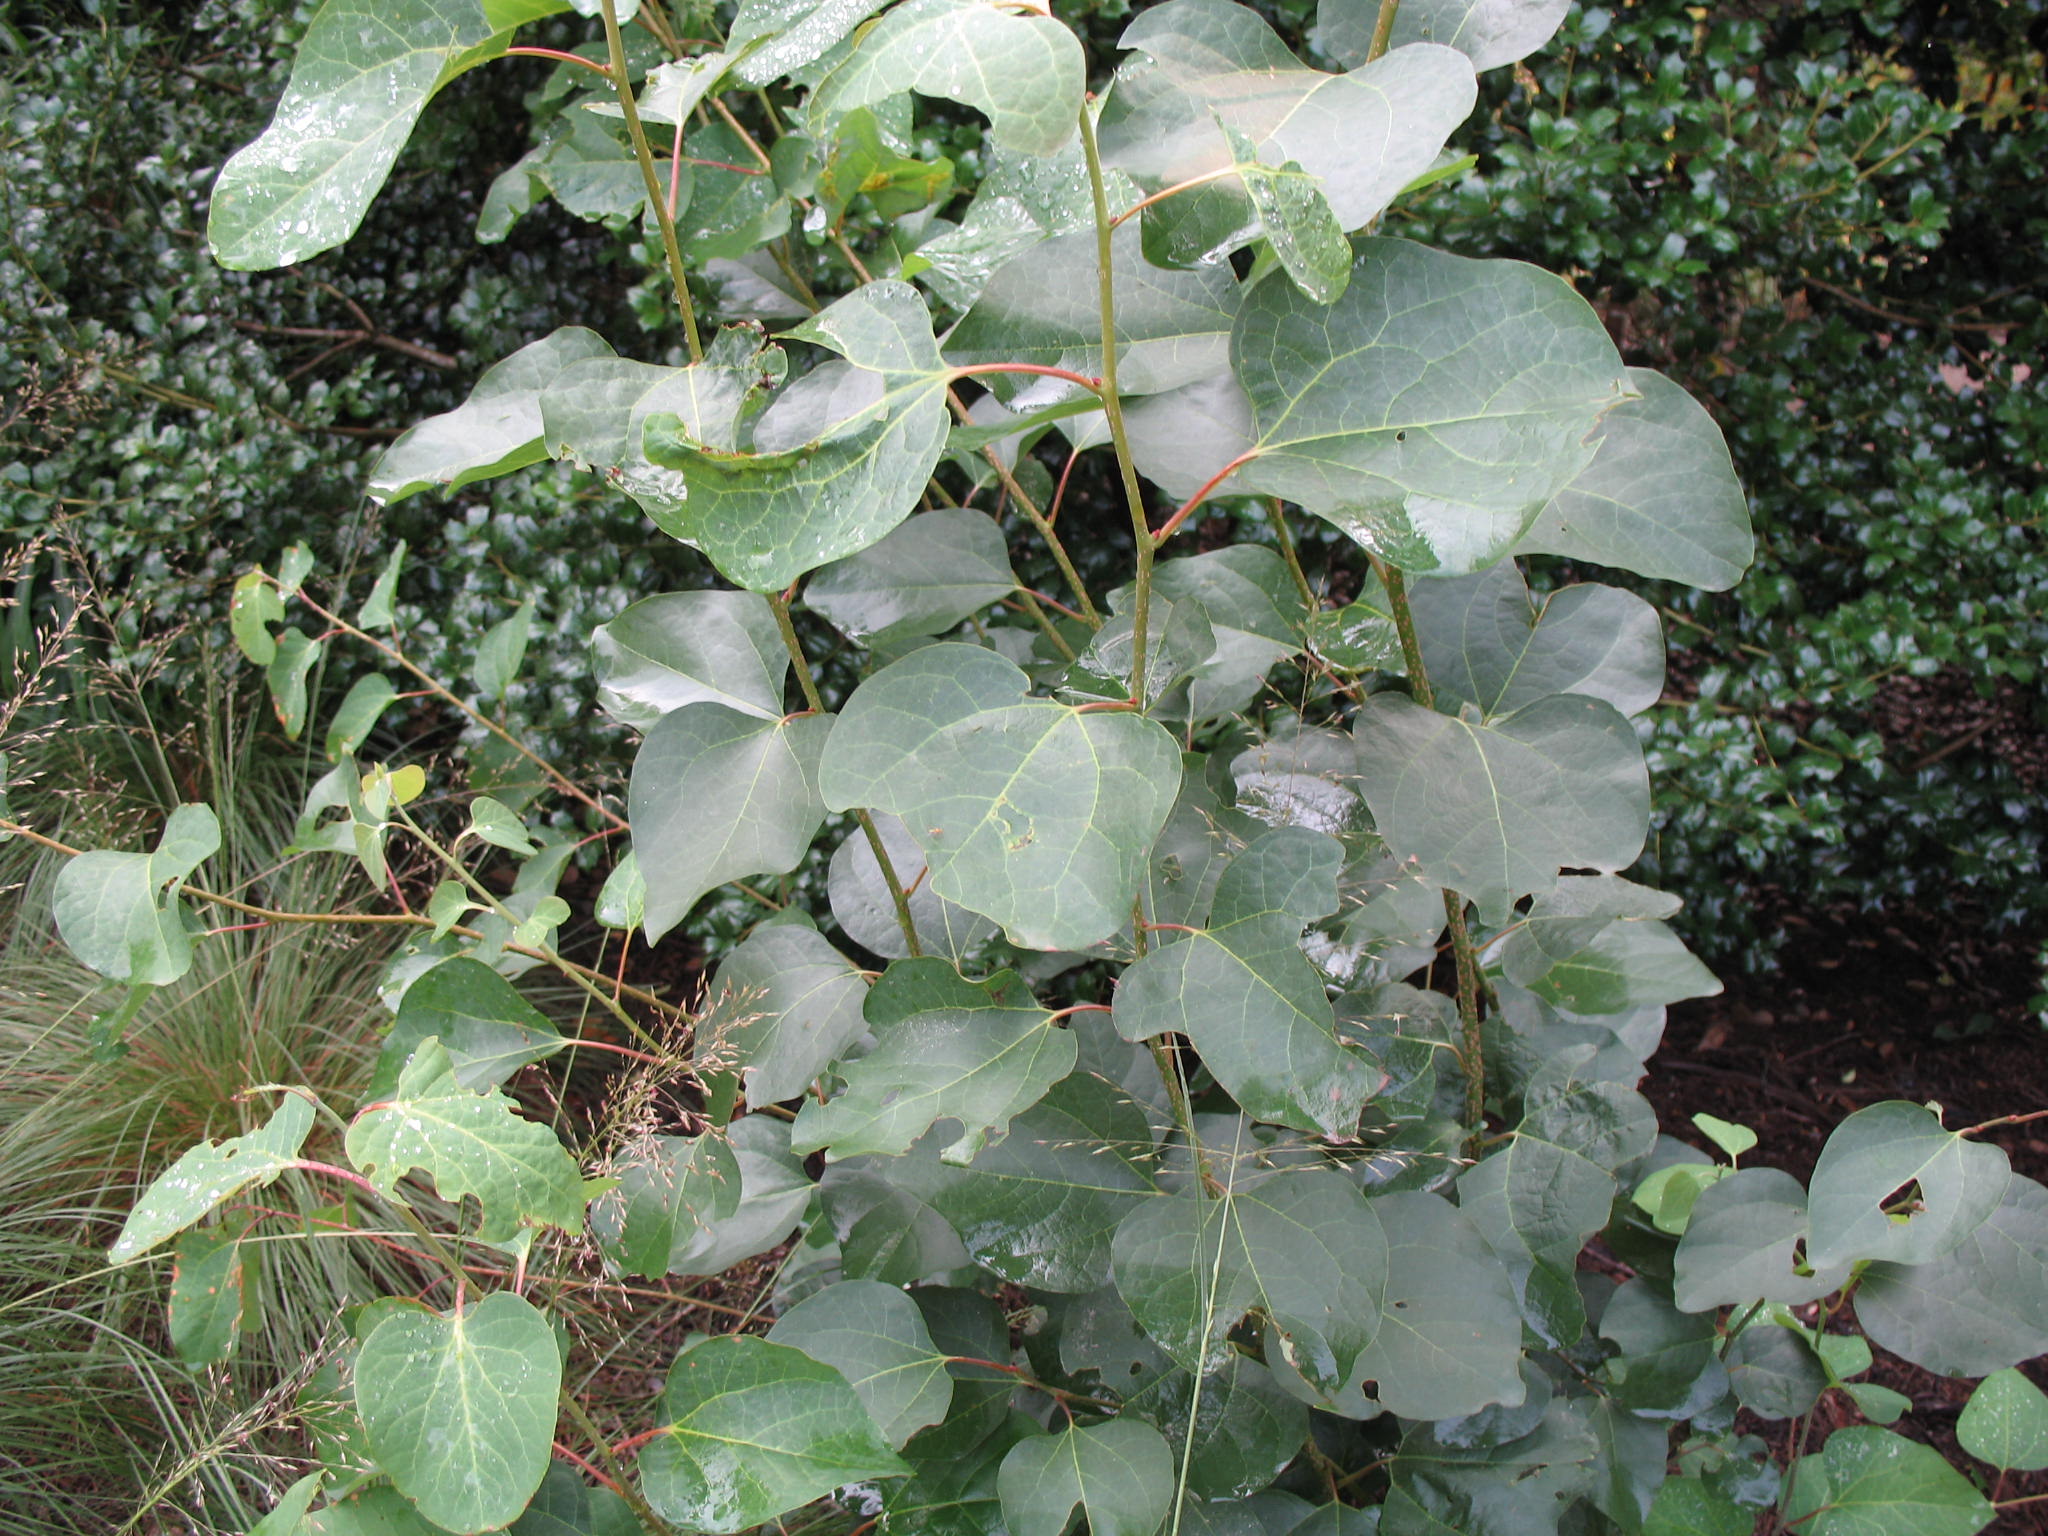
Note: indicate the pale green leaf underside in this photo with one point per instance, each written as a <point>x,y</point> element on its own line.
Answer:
<point>1490,32</point>
<point>1660,498</point>
<point>210,1173</point>
<point>460,1409</point>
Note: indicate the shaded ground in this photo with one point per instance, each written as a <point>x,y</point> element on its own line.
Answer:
<point>1869,1007</point>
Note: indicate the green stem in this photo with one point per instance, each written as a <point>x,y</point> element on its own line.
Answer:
<point>642,1510</point>
<point>1278,519</point>
<point>1741,1323</point>
<point>1382,29</point>
<point>1472,1055</point>
<point>657,203</point>
<point>809,684</point>
<point>1089,613</point>
<point>1044,621</point>
<point>1112,408</point>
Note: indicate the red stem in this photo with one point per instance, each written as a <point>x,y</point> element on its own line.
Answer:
<point>573,1459</point>
<point>559,57</point>
<point>1168,528</point>
<point>634,1442</point>
<point>338,1173</point>
<point>969,370</point>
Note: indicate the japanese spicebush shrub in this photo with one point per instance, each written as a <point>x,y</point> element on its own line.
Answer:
<point>1157,1182</point>
<point>1822,219</point>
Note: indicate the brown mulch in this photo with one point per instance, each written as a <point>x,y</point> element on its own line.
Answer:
<point>1866,1007</point>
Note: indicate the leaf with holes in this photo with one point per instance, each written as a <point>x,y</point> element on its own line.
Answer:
<point>1875,1155</point>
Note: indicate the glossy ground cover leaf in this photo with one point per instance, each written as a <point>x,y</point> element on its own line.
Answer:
<point>1172,328</point>
<point>1024,72</point>
<point>1744,1242</point>
<point>1536,1204</point>
<point>717,795</point>
<point>784,1004</point>
<point>1877,1152</point>
<point>108,905</point>
<point>1496,811</point>
<point>688,648</point>
<point>1244,993</point>
<point>1450,1334</point>
<point>468,1144</point>
<point>495,431</point>
<point>1120,1475</point>
<point>921,579</point>
<point>210,1298</point>
<point>861,901</point>
<point>2005,1423</point>
<point>670,1189</point>
<point>1042,1206</point>
<point>487,1028</point>
<point>364,71</point>
<point>946,1048</point>
<point>459,1408</point>
<point>1304,1248</point>
<point>875,1337</point>
<point>1209,68</point>
<point>1660,497</point>
<point>1364,411</point>
<point>1979,1308</point>
<point>212,1172</point>
<point>1486,642</point>
<point>753,1430</point>
<point>1031,812</point>
<point>837,459</point>
<point>1871,1482</point>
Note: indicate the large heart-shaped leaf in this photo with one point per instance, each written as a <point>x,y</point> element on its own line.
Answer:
<point>459,1408</point>
<point>922,579</point>
<point>875,1337</point>
<point>1449,1337</point>
<point>1364,412</point>
<point>1979,1308</point>
<point>1595,944</point>
<point>946,1048</point>
<point>495,431</point>
<point>1210,68</point>
<point>365,70</point>
<point>1244,993</point>
<point>753,1430</point>
<point>1536,1204</point>
<point>783,1005</point>
<point>1872,1158</point>
<point>1303,1247</point>
<point>1120,1474</point>
<point>838,458</point>
<point>211,1172</point>
<point>1025,71</point>
<point>717,795</point>
<point>1496,811</point>
<point>107,907</point>
<point>487,1028</point>
<point>689,648</point>
<point>1660,498</point>
<point>1742,1244</point>
<point>1490,32</point>
<point>1486,643</point>
<point>469,1144</point>
<point>1038,814</point>
<point>1870,1482</point>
